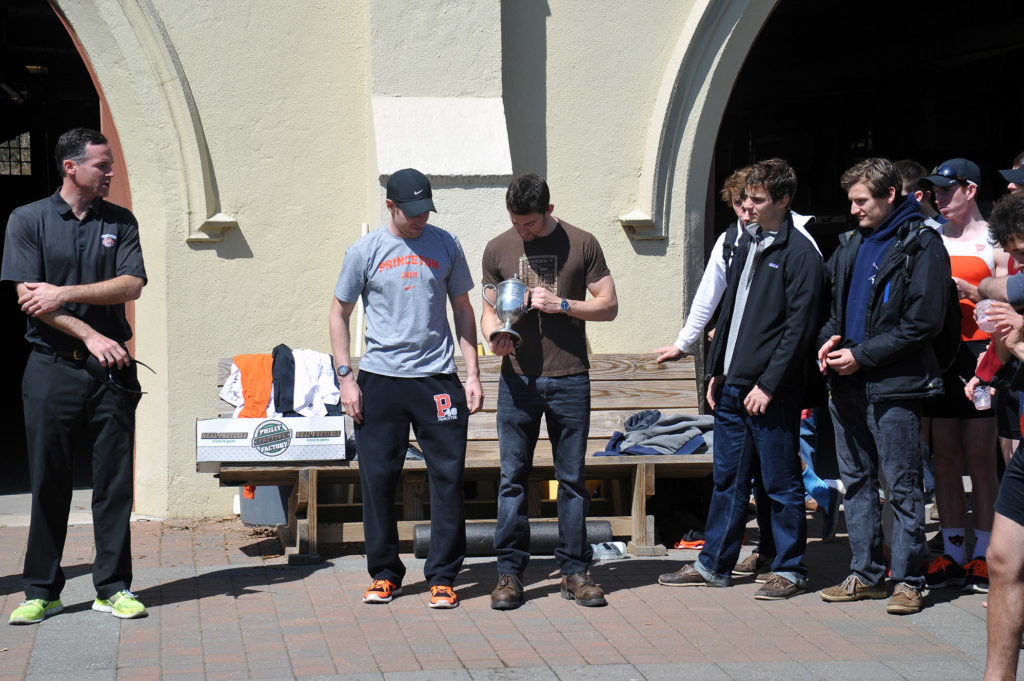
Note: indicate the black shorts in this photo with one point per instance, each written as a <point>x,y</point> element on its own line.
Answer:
<point>1007,407</point>
<point>1010,502</point>
<point>953,404</point>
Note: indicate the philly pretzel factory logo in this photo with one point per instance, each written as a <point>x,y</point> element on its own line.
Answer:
<point>445,410</point>
<point>271,438</point>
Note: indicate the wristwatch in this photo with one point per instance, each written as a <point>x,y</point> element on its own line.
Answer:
<point>344,370</point>
<point>565,306</point>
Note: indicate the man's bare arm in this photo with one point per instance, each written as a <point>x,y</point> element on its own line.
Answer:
<point>994,288</point>
<point>603,306</point>
<point>108,351</point>
<point>38,298</point>
<point>465,329</point>
<point>351,395</point>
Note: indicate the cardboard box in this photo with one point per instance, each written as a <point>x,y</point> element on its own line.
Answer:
<point>255,441</point>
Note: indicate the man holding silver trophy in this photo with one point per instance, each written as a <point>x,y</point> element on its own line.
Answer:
<point>540,271</point>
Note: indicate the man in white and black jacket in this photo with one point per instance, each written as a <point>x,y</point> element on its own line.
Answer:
<point>890,282</point>
<point>757,371</point>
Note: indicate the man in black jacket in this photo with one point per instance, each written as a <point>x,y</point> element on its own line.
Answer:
<point>890,279</point>
<point>757,367</point>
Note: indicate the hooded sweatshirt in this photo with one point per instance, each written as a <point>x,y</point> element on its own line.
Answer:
<point>873,246</point>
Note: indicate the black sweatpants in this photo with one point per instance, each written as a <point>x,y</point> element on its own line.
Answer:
<point>436,408</point>
<point>66,409</point>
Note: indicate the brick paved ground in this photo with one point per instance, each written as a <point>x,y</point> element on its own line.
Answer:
<point>224,605</point>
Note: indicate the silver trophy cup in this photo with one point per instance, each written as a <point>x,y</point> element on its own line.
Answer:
<point>511,302</point>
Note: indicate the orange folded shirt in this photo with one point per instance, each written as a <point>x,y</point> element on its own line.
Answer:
<point>257,380</point>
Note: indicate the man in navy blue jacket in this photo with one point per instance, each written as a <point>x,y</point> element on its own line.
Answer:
<point>757,370</point>
<point>890,280</point>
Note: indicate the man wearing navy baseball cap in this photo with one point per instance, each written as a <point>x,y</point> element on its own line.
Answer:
<point>954,171</point>
<point>409,189</point>
<point>405,272</point>
<point>1015,176</point>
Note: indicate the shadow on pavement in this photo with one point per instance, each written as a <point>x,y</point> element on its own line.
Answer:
<point>233,582</point>
<point>11,584</point>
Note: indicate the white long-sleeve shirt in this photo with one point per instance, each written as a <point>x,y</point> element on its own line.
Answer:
<point>712,284</point>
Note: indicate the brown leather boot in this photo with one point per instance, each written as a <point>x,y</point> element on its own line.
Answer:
<point>509,594</point>
<point>581,588</point>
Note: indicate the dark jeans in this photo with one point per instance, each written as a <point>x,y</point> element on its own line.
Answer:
<point>564,402</point>
<point>742,442</point>
<point>435,406</point>
<point>67,409</point>
<point>884,435</point>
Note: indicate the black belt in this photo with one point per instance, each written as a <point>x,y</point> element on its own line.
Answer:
<point>76,355</point>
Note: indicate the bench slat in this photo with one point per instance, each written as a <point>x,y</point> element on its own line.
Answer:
<point>610,367</point>
<point>693,465</point>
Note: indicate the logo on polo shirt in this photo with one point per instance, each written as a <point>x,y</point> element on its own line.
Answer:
<point>108,240</point>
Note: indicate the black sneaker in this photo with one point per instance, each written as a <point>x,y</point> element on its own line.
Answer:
<point>976,579</point>
<point>944,571</point>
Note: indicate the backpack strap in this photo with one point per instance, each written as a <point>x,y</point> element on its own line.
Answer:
<point>729,244</point>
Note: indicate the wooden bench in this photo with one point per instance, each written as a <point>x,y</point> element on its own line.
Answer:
<point>621,385</point>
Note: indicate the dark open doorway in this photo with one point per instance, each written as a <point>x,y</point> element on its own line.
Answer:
<point>828,84</point>
<point>45,89</point>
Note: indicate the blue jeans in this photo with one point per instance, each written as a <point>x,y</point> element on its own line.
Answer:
<point>808,447</point>
<point>564,402</point>
<point>743,442</point>
<point>869,436</point>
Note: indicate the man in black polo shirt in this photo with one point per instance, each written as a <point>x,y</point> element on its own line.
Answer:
<point>75,260</point>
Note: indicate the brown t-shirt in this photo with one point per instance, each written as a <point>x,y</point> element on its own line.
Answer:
<point>565,262</point>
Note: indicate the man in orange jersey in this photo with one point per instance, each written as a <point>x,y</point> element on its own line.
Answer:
<point>961,433</point>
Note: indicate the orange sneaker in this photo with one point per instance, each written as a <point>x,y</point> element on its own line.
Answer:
<point>443,596</point>
<point>381,591</point>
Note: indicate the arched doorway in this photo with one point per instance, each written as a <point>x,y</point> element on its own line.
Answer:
<point>47,88</point>
<point>826,85</point>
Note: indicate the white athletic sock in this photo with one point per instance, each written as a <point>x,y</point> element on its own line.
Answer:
<point>981,538</point>
<point>953,543</point>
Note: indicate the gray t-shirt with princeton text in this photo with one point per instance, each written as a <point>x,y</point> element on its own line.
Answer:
<point>405,285</point>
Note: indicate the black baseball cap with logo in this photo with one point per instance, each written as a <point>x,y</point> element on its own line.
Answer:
<point>410,189</point>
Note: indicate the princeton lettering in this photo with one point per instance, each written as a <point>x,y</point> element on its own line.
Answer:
<point>403,260</point>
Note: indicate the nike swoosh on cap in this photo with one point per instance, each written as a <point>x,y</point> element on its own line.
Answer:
<point>417,193</point>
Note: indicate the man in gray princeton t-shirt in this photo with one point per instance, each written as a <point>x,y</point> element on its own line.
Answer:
<point>404,272</point>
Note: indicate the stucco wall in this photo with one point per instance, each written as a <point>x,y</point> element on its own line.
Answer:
<point>282,97</point>
<point>282,94</point>
<point>604,63</point>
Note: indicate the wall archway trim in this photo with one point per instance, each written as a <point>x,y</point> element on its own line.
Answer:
<point>691,100</point>
<point>205,220</point>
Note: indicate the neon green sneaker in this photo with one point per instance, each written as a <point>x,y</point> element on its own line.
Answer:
<point>35,610</point>
<point>123,604</point>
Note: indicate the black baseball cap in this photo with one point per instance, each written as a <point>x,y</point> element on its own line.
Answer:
<point>1014,175</point>
<point>955,170</point>
<point>410,189</point>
